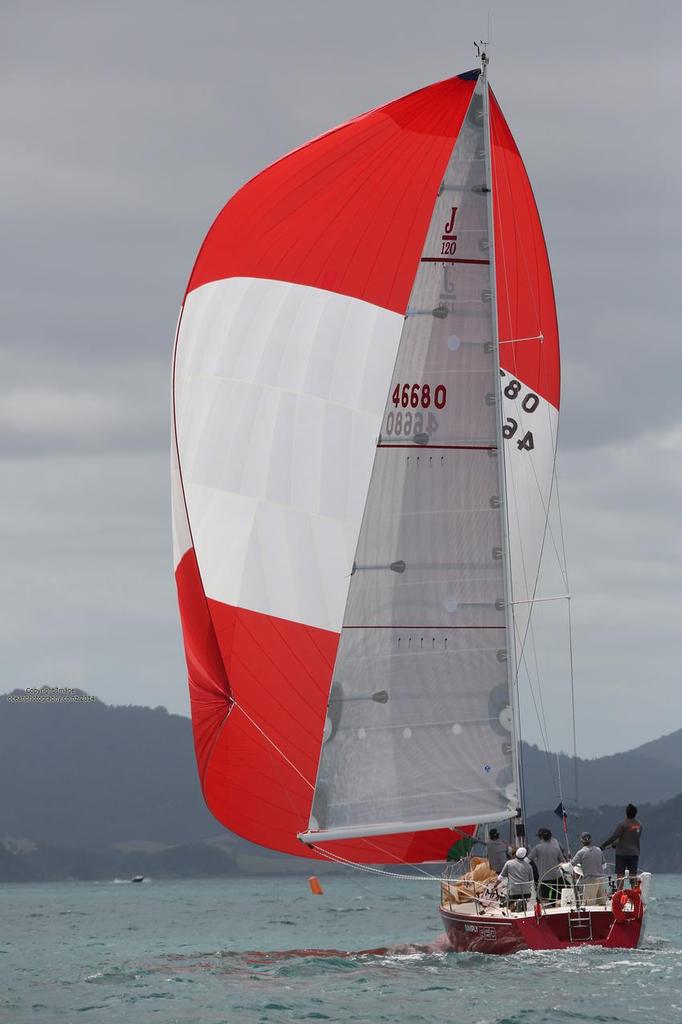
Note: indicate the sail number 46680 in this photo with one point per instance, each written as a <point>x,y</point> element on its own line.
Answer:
<point>415,395</point>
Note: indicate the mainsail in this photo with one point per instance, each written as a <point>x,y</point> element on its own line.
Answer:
<point>347,560</point>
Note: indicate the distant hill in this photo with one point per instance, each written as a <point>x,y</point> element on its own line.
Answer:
<point>120,785</point>
<point>646,774</point>
<point>85,774</point>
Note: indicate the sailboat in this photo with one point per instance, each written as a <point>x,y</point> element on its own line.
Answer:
<point>365,405</point>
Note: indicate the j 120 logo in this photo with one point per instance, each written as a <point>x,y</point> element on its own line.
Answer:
<point>448,238</point>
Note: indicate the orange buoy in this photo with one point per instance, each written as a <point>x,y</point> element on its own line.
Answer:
<point>315,887</point>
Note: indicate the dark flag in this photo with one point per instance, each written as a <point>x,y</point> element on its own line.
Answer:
<point>560,812</point>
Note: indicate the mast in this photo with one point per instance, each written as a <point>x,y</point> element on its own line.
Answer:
<point>512,667</point>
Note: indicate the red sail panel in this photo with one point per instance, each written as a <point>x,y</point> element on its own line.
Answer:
<point>527,321</point>
<point>257,738</point>
<point>349,211</point>
<point>346,214</point>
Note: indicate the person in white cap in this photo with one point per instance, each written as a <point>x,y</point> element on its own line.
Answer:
<point>519,875</point>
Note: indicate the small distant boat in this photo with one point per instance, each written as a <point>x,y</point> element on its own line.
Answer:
<point>137,878</point>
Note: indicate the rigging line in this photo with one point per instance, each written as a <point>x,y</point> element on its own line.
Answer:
<point>515,341</point>
<point>529,630</point>
<point>558,768</point>
<point>337,859</point>
<point>530,634</point>
<point>407,864</point>
<point>570,626</point>
<point>541,719</point>
<point>275,704</point>
<point>563,569</point>
<point>570,630</point>
<point>547,525</point>
<point>539,714</point>
<point>539,684</point>
<point>273,744</point>
<point>534,649</point>
<point>278,775</point>
<point>575,746</point>
<point>561,521</point>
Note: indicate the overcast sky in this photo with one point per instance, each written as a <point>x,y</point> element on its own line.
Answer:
<point>125,127</point>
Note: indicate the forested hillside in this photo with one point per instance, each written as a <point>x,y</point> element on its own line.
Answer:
<point>88,790</point>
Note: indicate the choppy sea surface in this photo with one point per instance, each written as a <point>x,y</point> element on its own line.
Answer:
<point>266,950</point>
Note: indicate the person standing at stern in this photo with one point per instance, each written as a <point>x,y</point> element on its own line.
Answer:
<point>625,838</point>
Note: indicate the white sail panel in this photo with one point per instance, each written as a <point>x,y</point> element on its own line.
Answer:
<point>182,540</point>
<point>532,424</point>
<point>279,391</point>
<point>419,726</point>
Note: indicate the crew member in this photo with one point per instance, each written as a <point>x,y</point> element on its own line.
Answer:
<point>625,838</point>
<point>547,855</point>
<point>519,876</point>
<point>496,851</point>
<point>589,858</point>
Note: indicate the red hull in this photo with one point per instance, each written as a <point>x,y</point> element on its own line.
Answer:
<point>469,933</point>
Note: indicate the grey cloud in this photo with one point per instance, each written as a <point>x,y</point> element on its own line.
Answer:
<point>126,128</point>
<point>90,600</point>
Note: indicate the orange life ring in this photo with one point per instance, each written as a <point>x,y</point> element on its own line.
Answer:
<point>620,901</point>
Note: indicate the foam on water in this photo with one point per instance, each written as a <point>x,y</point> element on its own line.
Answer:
<point>206,952</point>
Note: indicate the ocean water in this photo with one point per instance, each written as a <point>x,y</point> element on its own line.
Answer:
<point>265,950</point>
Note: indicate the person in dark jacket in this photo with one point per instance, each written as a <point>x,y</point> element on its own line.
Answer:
<point>625,838</point>
<point>547,855</point>
<point>496,850</point>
